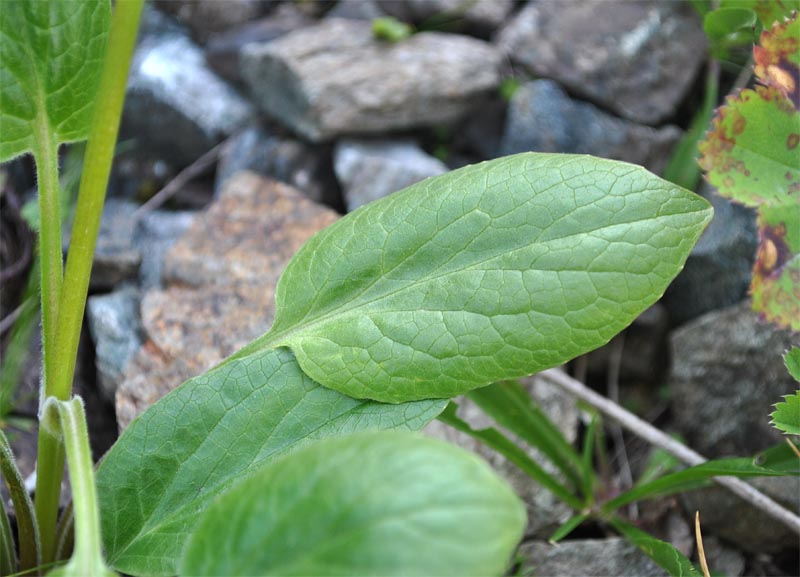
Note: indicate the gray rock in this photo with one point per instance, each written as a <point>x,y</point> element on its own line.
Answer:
<point>356,10</point>
<point>645,349</point>
<point>723,559</point>
<point>116,330</point>
<point>175,106</point>
<point>727,373</point>
<point>155,233</point>
<point>483,15</point>
<point>590,557</point>
<point>336,78</point>
<point>740,523</point>
<point>223,51</point>
<point>286,159</point>
<point>543,118</point>
<point>116,259</point>
<point>635,58</point>
<point>717,272</point>
<point>205,18</point>
<point>369,170</point>
<point>545,511</point>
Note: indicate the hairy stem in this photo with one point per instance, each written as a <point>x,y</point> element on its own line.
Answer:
<point>94,180</point>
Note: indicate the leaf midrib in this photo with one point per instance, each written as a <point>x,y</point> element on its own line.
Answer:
<point>273,339</point>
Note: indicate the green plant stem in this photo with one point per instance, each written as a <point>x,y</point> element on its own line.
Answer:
<point>46,155</point>
<point>97,167</point>
<point>27,530</point>
<point>67,420</point>
<point>8,556</point>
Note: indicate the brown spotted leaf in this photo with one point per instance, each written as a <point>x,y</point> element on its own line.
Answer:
<point>776,276</point>
<point>751,153</point>
<point>777,59</point>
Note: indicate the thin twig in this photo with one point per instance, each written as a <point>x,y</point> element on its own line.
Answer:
<point>184,176</point>
<point>678,450</point>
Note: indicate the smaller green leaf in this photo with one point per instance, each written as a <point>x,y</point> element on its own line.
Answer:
<point>380,503</point>
<point>792,361</point>
<point>390,29</point>
<point>667,556</point>
<point>693,478</point>
<point>786,416</point>
<point>781,457</point>
<point>724,21</point>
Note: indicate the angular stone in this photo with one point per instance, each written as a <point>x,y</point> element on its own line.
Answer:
<point>114,324</point>
<point>371,169</point>
<point>154,234</point>
<point>588,557</point>
<point>223,51</point>
<point>543,118</point>
<point>175,106</point>
<point>545,511</point>
<point>116,259</point>
<point>336,78</point>
<point>637,58</point>
<point>205,18</point>
<point>356,10</point>
<point>280,157</point>
<point>727,373</point>
<point>718,270</point>
<point>480,15</point>
<point>220,278</point>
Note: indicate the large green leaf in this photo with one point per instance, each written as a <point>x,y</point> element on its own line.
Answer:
<point>182,452</point>
<point>50,55</point>
<point>369,504</point>
<point>490,272</point>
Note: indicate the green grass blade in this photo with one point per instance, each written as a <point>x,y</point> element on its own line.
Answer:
<point>510,405</point>
<point>667,556</point>
<point>493,438</point>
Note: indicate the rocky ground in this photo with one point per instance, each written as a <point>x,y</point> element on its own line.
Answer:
<point>308,116</point>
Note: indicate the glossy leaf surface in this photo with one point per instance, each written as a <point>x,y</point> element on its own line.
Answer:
<point>792,361</point>
<point>383,503</point>
<point>490,272</point>
<point>50,55</point>
<point>183,451</point>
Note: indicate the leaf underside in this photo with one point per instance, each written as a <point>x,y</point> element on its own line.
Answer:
<point>494,271</point>
<point>384,503</point>
<point>173,460</point>
<point>50,55</point>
